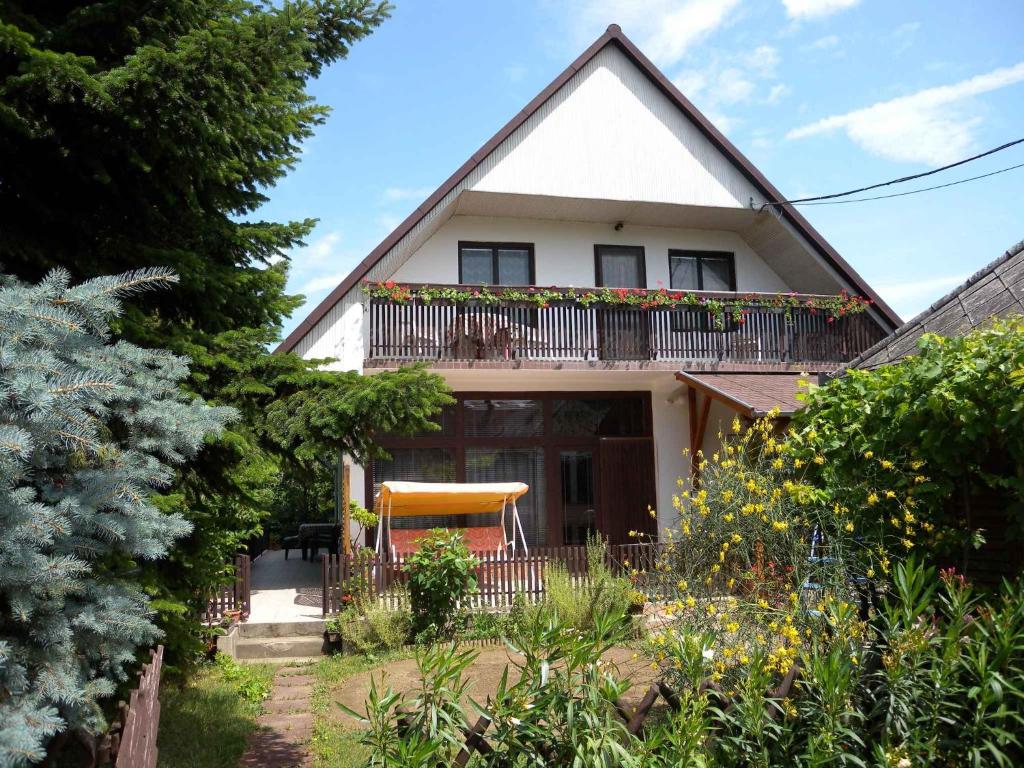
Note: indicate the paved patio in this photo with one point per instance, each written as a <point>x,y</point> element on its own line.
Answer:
<point>285,590</point>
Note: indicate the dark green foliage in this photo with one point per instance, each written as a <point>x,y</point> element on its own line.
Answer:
<point>136,133</point>
<point>950,416</point>
<point>441,576</point>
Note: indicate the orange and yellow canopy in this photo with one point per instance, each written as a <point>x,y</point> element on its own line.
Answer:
<point>402,499</point>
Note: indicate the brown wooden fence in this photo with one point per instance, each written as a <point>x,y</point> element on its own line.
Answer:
<point>132,737</point>
<point>235,595</point>
<point>499,579</point>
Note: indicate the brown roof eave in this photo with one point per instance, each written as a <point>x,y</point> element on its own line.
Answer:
<point>614,35</point>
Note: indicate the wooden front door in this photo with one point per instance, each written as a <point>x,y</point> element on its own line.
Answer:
<point>626,489</point>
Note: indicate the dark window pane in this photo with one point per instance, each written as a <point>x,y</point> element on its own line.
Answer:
<point>613,417</point>
<point>717,273</point>
<point>506,465</point>
<point>504,418</point>
<point>418,465</point>
<point>578,508</point>
<point>621,267</point>
<point>683,273</point>
<point>477,266</point>
<point>513,267</point>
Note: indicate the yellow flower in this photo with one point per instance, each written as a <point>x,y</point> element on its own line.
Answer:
<point>819,459</point>
<point>849,527</point>
<point>798,463</point>
<point>779,525</point>
<point>777,464</point>
<point>872,499</point>
<point>907,543</point>
<point>869,454</point>
<point>886,464</point>
<point>682,585</point>
<point>727,496</point>
<point>736,424</point>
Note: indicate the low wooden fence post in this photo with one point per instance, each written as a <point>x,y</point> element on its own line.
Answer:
<point>133,735</point>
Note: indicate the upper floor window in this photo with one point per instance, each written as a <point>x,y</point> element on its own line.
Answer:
<point>620,266</point>
<point>701,270</point>
<point>496,263</point>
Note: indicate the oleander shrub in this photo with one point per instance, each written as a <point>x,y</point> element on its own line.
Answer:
<point>577,601</point>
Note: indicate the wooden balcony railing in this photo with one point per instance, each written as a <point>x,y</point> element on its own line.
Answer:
<point>565,330</point>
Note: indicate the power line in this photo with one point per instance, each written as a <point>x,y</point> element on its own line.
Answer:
<point>913,191</point>
<point>805,200</point>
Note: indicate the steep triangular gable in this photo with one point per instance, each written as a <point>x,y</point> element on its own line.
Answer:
<point>488,159</point>
<point>611,134</point>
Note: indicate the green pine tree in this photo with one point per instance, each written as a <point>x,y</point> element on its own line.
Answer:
<point>89,429</point>
<point>142,133</point>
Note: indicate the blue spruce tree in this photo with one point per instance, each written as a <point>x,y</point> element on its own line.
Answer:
<point>89,428</point>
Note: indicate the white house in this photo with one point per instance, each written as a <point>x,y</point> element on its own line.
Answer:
<point>681,302</point>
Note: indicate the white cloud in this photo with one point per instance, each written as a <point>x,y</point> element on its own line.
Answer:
<point>816,9</point>
<point>515,73</point>
<point>395,194</point>
<point>663,29</point>
<point>322,283</point>
<point>904,36</point>
<point>317,252</point>
<point>390,221</point>
<point>929,126</point>
<point>776,94</point>
<point>824,43</point>
<point>731,79</point>
<point>910,297</point>
<point>763,61</point>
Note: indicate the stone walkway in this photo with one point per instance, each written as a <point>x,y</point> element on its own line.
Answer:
<point>286,726</point>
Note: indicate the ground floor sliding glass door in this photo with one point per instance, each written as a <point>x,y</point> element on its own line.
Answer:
<point>579,453</point>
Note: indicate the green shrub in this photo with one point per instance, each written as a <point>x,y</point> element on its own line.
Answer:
<point>251,682</point>
<point>374,629</point>
<point>442,575</point>
<point>577,602</point>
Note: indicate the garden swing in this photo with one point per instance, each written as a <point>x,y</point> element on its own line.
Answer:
<point>405,499</point>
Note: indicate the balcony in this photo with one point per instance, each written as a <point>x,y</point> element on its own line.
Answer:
<point>441,324</point>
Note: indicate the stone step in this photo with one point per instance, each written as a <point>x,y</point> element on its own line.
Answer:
<point>280,629</point>
<point>285,706</point>
<point>286,681</point>
<point>299,647</point>
<point>292,728</point>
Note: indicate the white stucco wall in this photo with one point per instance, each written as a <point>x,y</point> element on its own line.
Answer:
<point>612,134</point>
<point>564,251</point>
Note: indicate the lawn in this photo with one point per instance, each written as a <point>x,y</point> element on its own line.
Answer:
<point>205,722</point>
<point>335,738</point>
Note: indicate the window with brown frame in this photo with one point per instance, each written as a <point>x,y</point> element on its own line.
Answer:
<point>496,263</point>
<point>699,271</point>
<point>620,266</point>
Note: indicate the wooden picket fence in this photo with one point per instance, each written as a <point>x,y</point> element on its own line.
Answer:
<point>634,718</point>
<point>131,741</point>
<point>235,595</point>
<point>500,579</point>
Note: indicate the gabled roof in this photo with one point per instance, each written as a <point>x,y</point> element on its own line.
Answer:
<point>612,36</point>
<point>997,289</point>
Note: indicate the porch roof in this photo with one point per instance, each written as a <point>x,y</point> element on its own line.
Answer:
<point>751,394</point>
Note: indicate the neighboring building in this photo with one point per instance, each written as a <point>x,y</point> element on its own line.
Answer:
<point>994,291</point>
<point>608,178</point>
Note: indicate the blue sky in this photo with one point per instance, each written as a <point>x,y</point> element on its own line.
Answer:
<point>823,95</point>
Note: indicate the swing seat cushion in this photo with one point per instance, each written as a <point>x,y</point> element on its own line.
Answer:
<point>484,539</point>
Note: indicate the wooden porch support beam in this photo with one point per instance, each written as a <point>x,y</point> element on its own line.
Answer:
<point>698,426</point>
